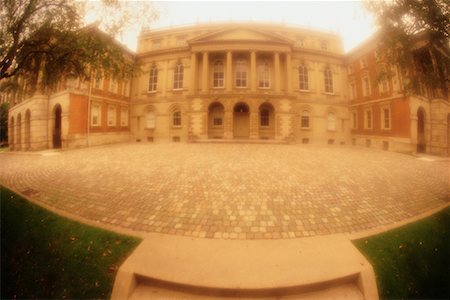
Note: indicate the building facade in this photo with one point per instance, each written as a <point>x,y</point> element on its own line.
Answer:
<point>237,81</point>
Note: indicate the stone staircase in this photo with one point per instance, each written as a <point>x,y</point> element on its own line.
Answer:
<point>176,267</point>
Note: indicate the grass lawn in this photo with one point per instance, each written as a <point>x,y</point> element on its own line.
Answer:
<point>47,256</point>
<point>412,262</point>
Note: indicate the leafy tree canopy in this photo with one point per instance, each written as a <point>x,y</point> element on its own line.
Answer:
<point>48,39</point>
<point>403,24</point>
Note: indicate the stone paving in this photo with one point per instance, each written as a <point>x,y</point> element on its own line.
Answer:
<point>232,191</point>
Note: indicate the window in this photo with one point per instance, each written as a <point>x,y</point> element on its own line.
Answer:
<point>150,120</point>
<point>303,78</point>
<point>366,87</point>
<point>264,75</point>
<point>153,79</point>
<point>352,91</point>
<point>354,120</point>
<point>386,118</point>
<point>156,45</point>
<point>124,117</point>
<point>383,86</point>
<point>176,118</point>
<point>218,74</point>
<point>368,119</point>
<point>113,85</point>
<point>323,45</point>
<point>305,119</point>
<point>241,73</point>
<point>349,69</point>
<point>217,115</point>
<point>178,77</point>
<point>111,115</point>
<point>363,63</point>
<point>328,80</point>
<point>98,84</point>
<point>264,117</point>
<point>331,122</point>
<point>95,114</point>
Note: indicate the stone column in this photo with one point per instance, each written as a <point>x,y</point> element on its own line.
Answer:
<point>253,74</point>
<point>205,74</point>
<point>194,72</point>
<point>254,125</point>
<point>229,74</point>
<point>288,73</point>
<point>228,123</point>
<point>276,59</point>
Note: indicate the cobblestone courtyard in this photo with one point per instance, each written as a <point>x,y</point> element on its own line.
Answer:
<point>235,191</point>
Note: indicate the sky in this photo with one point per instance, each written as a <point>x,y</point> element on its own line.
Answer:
<point>347,18</point>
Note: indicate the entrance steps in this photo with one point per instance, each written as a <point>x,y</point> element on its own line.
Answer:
<point>239,141</point>
<point>176,267</point>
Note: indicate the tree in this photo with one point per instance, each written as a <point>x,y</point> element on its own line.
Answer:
<point>46,39</point>
<point>416,32</point>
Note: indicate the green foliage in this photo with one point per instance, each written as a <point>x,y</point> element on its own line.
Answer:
<point>412,262</point>
<point>415,31</point>
<point>4,107</point>
<point>47,256</point>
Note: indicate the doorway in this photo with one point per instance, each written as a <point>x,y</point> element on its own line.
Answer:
<point>241,121</point>
<point>421,143</point>
<point>57,127</point>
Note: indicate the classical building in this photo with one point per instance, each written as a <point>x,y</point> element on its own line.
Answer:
<point>237,81</point>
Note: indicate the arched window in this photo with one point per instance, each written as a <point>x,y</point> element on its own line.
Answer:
<point>305,119</point>
<point>303,77</point>
<point>264,75</point>
<point>328,76</point>
<point>178,77</point>
<point>331,122</point>
<point>176,118</point>
<point>153,79</point>
<point>241,73</point>
<point>264,117</point>
<point>150,120</point>
<point>218,74</point>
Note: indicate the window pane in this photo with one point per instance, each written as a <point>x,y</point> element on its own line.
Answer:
<point>264,117</point>
<point>177,118</point>
<point>305,119</point>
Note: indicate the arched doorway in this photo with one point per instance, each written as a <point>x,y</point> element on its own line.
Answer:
<point>11,134</point>
<point>241,121</point>
<point>19,133</point>
<point>266,121</point>
<point>421,143</point>
<point>57,128</point>
<point>27,130</point>
<point>215,121</point>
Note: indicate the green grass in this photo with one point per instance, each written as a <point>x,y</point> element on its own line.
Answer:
<point>47,256</point>
<point>412,262</point>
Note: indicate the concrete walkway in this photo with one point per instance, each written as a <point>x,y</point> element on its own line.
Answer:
<point>238,191</point>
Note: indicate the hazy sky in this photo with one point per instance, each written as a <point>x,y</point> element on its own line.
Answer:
<point>347,18</point>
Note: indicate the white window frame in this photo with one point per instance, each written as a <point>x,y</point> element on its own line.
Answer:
<point>368,122</point>
<point>303,79</point>
<point>153,79</point>
<point>218,74</point>
<point>112,115</point>
<point>150,120</point>
<point>366,86</point>
<point>328,80</point>
<point>178,76</point>
<point>96,111</point>
<point>241,74</point>
<point>331,121</point>
<point>383,119</point>
<point>124,117</point>
<point>176,118</point>
<point>98,82</point>
<point>113,85</point>
<point>264,75</point>
<point>305,118</point>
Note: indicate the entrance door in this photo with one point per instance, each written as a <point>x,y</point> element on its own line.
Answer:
<point>57,128</point>
<point>421,144</point>
<point>241,121</point>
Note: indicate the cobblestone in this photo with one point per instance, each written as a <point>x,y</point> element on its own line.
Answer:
<point>235,191</point>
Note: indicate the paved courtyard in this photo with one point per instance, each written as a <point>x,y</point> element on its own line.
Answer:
<point>231,191</point>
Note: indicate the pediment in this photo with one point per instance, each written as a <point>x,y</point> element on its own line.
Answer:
<point>239,34</point>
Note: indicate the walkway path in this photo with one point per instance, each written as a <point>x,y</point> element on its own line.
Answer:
<point>231,191</point>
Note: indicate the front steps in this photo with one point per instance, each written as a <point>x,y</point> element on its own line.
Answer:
<point>239,141</point>
<point>166,266</point>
